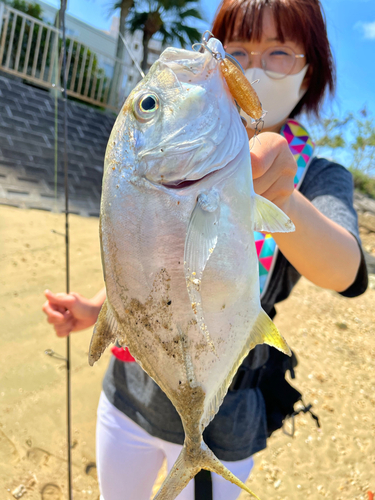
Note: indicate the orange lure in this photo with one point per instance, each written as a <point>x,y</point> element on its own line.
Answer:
<point>241,89</point>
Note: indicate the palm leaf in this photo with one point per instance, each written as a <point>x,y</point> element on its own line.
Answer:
<point>193,34</point>
<point>190,13</point>
<point>136,20</point>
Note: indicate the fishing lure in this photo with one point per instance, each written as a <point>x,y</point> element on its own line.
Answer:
<point>241,89</point>
<point>239,86</point>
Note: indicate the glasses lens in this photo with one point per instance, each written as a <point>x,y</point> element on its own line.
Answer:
<point>240,54</point>
<point>278,62</point>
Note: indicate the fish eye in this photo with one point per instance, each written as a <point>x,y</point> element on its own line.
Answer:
<point>145,106</point>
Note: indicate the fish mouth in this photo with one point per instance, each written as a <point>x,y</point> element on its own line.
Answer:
<point>182,184</point>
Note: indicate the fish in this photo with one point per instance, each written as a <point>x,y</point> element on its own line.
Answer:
<point>178,211</point>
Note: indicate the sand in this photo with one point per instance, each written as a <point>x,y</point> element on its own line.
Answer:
<point>333,338</point>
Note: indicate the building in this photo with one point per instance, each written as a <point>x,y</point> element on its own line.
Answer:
<point>104,45</point>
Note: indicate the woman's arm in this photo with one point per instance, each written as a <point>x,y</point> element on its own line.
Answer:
<point>321,250</point>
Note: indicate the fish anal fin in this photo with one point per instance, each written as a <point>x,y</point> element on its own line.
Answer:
<point>269,218</point>
<point>263,331</point>
<point>106,331</point>
<point>266,328</point>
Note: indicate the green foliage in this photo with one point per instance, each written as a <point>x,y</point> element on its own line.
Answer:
<point>352,139</point>
<point>34,10</point>
<point>170,19</point>
<point>363,182</point>
<point>31,8</point>
<point>91,81</point>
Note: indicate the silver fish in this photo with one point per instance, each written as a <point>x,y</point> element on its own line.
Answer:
<point>178,212</point>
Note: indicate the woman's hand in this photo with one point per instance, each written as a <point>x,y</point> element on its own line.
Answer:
<point>274,169</point>
<point>321,250</point>
<point>72,312</point>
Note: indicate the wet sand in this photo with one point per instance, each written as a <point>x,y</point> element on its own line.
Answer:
<point>333,337</point>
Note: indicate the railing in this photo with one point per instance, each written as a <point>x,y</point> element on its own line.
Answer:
<point>32,49</point>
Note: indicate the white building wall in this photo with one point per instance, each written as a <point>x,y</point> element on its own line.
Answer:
<point>105,43</point>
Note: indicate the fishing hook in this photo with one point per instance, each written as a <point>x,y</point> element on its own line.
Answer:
<point>259,124</point>
<point>53,354</point>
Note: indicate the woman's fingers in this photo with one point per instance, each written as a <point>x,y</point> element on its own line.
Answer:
<point>279,191</point>
<point>64,300</point>
<point>265,151</point>
<point>54,314</point>
<point>63,330</point>
<point>273,168</point>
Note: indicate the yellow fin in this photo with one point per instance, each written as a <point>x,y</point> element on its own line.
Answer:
<point>265,327</point>
<point>264,331</point>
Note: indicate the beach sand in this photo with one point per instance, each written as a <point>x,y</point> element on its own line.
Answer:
<point>333,337</point>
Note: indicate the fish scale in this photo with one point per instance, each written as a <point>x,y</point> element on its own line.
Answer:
<point>178,212</point>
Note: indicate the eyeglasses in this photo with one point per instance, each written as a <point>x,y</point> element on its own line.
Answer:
<point>277,62</point>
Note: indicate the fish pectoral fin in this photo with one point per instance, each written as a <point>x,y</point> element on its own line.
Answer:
<point>265,332</point>
<point>269,218</point>
<point>200,242</point>
<point>201,234</point>
<point>106,331</point>
<point>188,465</point>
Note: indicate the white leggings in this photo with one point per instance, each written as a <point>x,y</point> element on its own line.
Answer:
<point>129,459</point>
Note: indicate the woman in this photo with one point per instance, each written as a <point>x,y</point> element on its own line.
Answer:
<point>284,44</point>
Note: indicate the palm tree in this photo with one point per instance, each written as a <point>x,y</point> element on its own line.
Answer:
<point>124,6</point>
<point>168,18</point>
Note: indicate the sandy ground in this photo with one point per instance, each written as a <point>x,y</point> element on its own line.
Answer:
<point>332,336</point>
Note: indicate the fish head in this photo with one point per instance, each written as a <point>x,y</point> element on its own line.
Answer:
<point>179,124</point>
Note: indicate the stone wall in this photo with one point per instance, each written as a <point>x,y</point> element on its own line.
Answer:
<point>27,150</point>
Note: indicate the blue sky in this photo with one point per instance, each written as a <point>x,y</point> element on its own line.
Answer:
<point>351,29</point>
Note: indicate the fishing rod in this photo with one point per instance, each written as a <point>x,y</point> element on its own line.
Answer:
<point>67,259</point>
<point>67,246</point>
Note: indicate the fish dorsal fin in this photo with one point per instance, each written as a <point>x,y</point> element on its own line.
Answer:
<point>200,242</point>
<point>263,331</point>
<point>269,218</point>
<point>106,331</point>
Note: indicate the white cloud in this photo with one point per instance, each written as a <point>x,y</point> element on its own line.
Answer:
<point>368,30</point>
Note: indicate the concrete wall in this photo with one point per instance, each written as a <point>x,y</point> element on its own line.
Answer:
<point>27,150</point>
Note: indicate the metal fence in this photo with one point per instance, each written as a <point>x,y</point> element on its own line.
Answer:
<point>32,49</point>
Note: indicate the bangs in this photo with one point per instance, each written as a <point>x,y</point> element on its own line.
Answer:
<point>243,20</point>
<point>300,21</point>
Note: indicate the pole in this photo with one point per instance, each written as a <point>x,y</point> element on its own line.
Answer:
<point>65,128</point>
<point>1,17</point>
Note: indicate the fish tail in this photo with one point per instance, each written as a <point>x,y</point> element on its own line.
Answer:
<point>188,465</point>
<point>213,464</point>
<point>178,478</point>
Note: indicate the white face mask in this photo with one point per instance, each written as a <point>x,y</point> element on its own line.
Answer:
<point>278,97</point>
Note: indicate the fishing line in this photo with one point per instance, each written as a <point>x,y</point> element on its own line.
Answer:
<point>131,55</point>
